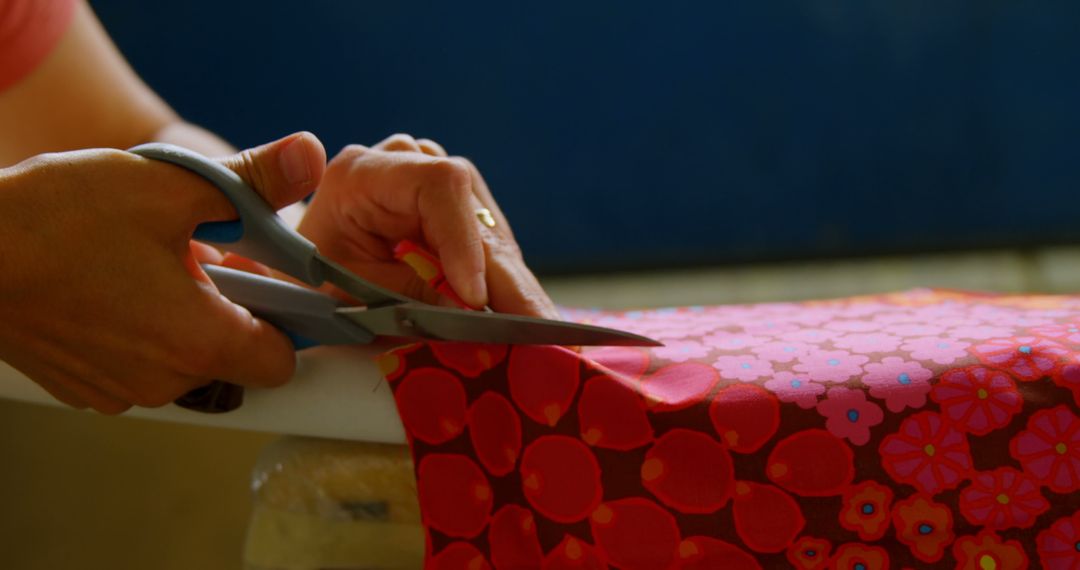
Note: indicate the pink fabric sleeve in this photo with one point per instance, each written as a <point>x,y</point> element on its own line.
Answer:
<point>29,30</point>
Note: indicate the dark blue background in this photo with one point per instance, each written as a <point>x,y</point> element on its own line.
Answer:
<point>644,134</point>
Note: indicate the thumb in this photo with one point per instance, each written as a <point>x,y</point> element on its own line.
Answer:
<point>282,171</point>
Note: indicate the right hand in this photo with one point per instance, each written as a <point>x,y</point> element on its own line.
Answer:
<point>102,302</point>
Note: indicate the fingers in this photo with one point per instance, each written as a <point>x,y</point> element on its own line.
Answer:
<point>404,142</point>
<point>87,396</point>
<point>63,395</point>
<point>512,286</point>
<point>483,265</point>
<point>399,142</point>
<point>241,263</point>
<point>282,172</point>
<point>448,218</point>
<point>242,349</point>
<point>483,194</point>
<point>428,146</point>
<point>203,253</point>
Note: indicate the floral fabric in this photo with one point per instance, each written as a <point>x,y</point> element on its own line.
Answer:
<point>926,429</point>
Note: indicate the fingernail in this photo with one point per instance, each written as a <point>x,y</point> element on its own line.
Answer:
<point>293,159</point>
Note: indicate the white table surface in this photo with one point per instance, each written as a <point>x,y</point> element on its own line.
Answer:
<point>337,392</point>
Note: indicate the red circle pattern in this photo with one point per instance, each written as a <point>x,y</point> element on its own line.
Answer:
<point>622,470</point>
<point>561,478</point>
<point>455,495</point>
<point>495,432</point>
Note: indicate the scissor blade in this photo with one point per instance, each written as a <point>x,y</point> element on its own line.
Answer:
<point>440,323</point>
<point>349,282</point>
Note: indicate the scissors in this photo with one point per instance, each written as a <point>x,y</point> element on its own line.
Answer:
<point>309,317</point>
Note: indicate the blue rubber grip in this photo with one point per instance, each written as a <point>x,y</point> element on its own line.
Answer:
<point>220,232</point>
<point>261,236</point>
<point>299,342</point>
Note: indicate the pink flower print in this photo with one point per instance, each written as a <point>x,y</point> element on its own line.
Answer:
<point>1069,332</point>
<point>853,326</point>
<point>1032,321</point>
<point>743,367</point>
<point>831,365</point>
<point>681,350</point>
<point>979,332</point>
<point>940,311</point>
<point>1018,319</point>
<point>733,341</point>
<point>795,388</point>
<point>1025,357</point>
<point>1002,498</point>
<point>977,399</point>
<point>901,317</point>
<point>915,329</point>
<point>953,322</point>
<point>781,351</point>
<point>859,310</point>
<point>1059,545</point>
<point>1049,449</point>
<point>810,336</point>
<point>927,452</point>
<point>901,383</point>
<point>769,327</point>
<point>811,317</point>
<point>868,342</point>
<point>938,349</point>
<point>849,414</point>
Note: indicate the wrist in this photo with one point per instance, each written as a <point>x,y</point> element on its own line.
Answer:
<point>15,183</point>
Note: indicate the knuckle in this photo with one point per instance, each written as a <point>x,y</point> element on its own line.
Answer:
<point>349,154</point>
<point>448,170</point>
<point>399,141</point>
<point>248,168</point>
<point>352,151</point>
<point>400,137</point>
<point>433,146</point>
<point>466,163</point>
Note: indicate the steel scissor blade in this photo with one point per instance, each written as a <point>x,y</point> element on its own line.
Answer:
<point>441,323</point>
<point>367,292</point>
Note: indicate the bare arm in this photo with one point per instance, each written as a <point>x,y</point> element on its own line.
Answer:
<point>85,95</point>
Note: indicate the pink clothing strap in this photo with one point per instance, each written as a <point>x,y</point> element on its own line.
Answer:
<point>29,30</point>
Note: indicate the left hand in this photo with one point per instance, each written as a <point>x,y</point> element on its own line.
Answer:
<point>403,188</point>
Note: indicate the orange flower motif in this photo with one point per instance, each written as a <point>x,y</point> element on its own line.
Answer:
<point>854,556</point>
<point>925,526</point>
<point>808,553</point>
<point>986,551</point>
<point>866,510</point>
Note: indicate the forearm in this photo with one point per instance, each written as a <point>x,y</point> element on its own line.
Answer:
<point>85,95</point>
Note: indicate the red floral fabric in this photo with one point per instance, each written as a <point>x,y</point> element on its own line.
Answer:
<point>927,429</point>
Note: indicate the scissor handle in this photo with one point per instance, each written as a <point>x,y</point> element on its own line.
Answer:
<point>308,317</point>
<point>259,233</point>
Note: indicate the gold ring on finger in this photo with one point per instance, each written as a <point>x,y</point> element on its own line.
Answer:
<point>485,217</point>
